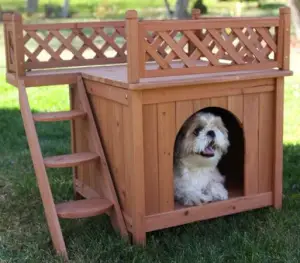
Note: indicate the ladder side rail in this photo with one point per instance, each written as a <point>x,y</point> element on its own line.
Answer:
<point>110,193</point>
<point>40,171</point>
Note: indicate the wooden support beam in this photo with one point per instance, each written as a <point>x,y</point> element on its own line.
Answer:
<point>132,30</point>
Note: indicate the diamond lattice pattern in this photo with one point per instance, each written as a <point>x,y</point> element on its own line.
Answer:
<point>214,47</point>
<point>74,44</point>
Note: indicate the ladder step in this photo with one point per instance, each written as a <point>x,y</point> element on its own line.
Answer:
<point>59,115</point>
<point>69,160</point>
<point>83,208</point>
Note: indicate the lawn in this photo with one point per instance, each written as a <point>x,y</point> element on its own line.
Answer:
<point>265,235</point>
<point>150,8</point>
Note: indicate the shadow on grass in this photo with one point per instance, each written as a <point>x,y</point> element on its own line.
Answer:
<point>291,165</point>
<point>54,136</point>
<point>264,235</point>
<point>16,168</point>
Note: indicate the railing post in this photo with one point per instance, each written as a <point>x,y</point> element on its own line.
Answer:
<point>7,21</point>
<point>195,15</point>
<point>18,44</point>
<point>283,58</point>
<point>283,38</point>
<point>132,38</point>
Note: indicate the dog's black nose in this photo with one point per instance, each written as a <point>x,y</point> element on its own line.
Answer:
<point>211,134</point>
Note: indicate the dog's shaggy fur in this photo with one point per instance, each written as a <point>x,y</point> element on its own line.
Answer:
<point>199,147</point>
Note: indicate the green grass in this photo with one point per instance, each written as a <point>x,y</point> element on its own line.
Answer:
<point>264,235</point>
<point>104,9</point>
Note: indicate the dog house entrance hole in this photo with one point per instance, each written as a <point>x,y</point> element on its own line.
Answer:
<point>232,163</point>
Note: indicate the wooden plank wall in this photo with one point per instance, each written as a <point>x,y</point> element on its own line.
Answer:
<point>113,126</point>
<point>82,172</point>
<point>162,121</point>
<point>112,117</point>
<point>266,141</point>
<point>255,112</point>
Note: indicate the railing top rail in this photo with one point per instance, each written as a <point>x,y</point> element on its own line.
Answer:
<point>79,25</point>
<point>209,23</point>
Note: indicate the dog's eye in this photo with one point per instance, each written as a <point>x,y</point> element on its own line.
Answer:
<point>196,131</point>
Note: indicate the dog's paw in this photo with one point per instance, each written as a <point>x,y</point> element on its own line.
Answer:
<point>189,202</point>
<point>205,198</point>
<point>219,192</point>
<point>195,200</point>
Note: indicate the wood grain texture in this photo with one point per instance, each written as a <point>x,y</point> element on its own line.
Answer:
<point>107,91</point>
<point>166,140</point>
<point>137,171</point>
<point>132,36</point>
<point>213,210</point>
<point>18,45</point>
<point>86,191</point>
<point>236,106</point>
<point>221,102</point>
<point>153,25</point>
<point>102,110</point>
<point>58,116</point>
<point>203,70</point>
<point>117,136</point>
<point>251,126</point>
<point>96,176</point>
<point>83,171</point>
<point>91,169</point>
<point>214,90</point>
<point>150,130</point>
<point>73,140</point>
<point>88,170</point>
<point>278,151</point>
<point>116,75</point>
<point>184,109</point>
<point>59,26</point>
<point>7,44</point>
<point>70,160</point>
<point>127,152</point>
<point>212,78</point>
<point>108,129</point>
<point>266,141</point>
<point>83,208</point>
<point>71,63</point>
<point>201,104</point>
<point>284,41</point>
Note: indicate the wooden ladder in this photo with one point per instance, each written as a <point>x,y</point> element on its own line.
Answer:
<point>77,208</point>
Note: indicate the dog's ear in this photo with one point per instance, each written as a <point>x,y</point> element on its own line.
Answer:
<point>187,124</point>
<point>221,125</point>
<point>180,135</point>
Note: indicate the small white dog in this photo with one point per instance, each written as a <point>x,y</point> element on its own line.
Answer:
<point>199,147</point>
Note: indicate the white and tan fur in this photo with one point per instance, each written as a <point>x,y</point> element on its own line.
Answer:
<point>199,147</point>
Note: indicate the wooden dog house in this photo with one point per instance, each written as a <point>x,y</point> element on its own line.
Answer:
<point>125,114</point>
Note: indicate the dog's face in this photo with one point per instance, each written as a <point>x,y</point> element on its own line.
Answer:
<point>204,140</point>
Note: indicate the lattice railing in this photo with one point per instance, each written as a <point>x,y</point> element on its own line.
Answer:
<point>151,48</point>
<point>74,44</point>
<point>206,45</point>
<point>41,46</point>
